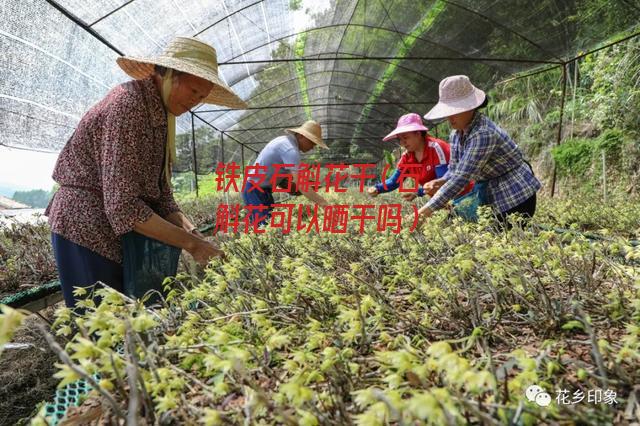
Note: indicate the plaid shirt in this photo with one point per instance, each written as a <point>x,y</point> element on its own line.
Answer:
<point>486,153</point>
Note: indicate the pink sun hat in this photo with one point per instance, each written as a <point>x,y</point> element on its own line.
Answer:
<point>411,122</point>
<point>457,95</point>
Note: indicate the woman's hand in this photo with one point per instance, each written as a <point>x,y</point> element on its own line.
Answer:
<point>423,214</point>
<point>372,191</point>
<point>204,251</point>
<point>432,186</point>
<point>409,196</point>
<point>194,242</point>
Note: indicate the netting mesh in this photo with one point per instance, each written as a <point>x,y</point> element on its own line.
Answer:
<point>353,65</point>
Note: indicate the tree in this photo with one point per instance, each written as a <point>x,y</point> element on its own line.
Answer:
<point>37,198</point>
<point>295,4</point>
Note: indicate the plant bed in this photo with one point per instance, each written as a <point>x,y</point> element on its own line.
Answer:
<point>26,256</point>
<point>450,324</point>
<point>26,374</point>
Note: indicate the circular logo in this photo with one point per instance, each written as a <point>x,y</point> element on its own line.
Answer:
<point>543,399</point>
<point>532,391</point>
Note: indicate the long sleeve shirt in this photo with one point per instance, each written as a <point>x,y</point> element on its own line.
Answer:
<point>436,152</point>
<point>111,170</point>
<point>485,152</point>
<point>278,152</point>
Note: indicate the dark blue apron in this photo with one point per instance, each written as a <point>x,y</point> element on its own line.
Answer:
<point>146,263</point>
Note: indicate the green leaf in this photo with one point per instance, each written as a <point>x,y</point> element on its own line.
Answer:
<point>573,325</point>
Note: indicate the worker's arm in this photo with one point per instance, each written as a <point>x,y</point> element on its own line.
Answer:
<point>159,229</point>
<point>432,186</point>
<point>390,184</point>
<point>310,195</point>
<point>180,219</point>
<point>478,151</point>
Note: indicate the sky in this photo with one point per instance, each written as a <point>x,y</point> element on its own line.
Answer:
<point>25,170</point>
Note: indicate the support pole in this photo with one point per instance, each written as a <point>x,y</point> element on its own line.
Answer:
<point>80,23</point>
<point>222,146</point>
<point>242,157</point>
<point>575,88</point>
<point>559,138</point>
<point>218,130</point>
<point>193,151</point>
<point>604,175</point>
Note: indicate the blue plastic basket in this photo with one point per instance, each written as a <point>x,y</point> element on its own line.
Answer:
<point>467,205</point>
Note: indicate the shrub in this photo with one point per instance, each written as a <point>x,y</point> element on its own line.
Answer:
<point>574,157</point>
<point>449,324</point>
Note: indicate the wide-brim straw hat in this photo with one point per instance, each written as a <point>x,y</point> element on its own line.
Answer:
<point>411,122</point>
<point>457,95</point>
<point>190,56</point>
<point>312,131</point>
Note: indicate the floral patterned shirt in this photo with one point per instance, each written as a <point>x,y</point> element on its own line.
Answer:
<point>110,171</point>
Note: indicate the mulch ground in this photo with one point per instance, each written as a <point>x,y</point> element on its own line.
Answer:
<point>26,375</point>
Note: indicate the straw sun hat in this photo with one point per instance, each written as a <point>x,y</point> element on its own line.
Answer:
<point>191,56</point>
<point>312,131</point>
<point>457,95</point>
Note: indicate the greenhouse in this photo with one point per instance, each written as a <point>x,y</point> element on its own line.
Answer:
<point>362,305</point>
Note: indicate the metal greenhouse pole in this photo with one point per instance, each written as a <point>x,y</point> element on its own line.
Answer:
<point>222,147</point>
<point>193,151</point>
<point>242,157</point>
<point>559,138</point>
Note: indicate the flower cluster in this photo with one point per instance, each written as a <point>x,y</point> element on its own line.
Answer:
<point>447,325</point>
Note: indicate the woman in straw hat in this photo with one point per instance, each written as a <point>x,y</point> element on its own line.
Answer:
<point>480,151</point>
<point>114,172</point>
<point>279,158</point>
<point>423,158</point>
